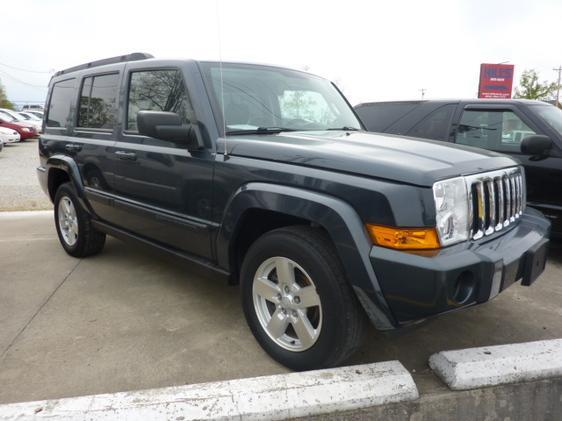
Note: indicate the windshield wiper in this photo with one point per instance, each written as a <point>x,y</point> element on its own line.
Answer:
<point>345,128</point>
<point>260,130</point>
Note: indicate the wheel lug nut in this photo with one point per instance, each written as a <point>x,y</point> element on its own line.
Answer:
<point>287,289</point>
<point>294,313</point>
<point>297,300</point>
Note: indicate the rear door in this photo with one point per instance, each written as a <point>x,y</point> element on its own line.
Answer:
<point>93,135</point>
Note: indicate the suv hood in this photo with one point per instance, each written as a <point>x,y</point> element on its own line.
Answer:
<point>407,160</point>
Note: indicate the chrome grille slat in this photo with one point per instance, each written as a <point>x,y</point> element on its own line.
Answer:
<point>480,210</point>
<point>490,186</point>
<point>501,212</point>
<point>497,199</point>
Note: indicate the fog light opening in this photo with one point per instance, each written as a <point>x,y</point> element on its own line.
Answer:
<point>464,288</point>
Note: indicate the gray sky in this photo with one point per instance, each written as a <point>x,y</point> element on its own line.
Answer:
<point>373,50</point>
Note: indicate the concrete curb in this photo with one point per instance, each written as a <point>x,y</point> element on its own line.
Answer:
<point>24,214</point>
<point>273,397</point>
<point>488,366</point>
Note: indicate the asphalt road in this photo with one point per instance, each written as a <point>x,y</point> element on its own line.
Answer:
<point>127,320</point>
<point>19,189</point>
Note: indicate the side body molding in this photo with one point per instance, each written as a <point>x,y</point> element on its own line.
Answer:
<point>338,218</point>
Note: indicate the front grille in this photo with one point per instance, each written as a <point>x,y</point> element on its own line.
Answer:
<point>496,200</point>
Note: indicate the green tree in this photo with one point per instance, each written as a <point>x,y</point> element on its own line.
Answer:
<point>4,102</point>
<point>530,87</point>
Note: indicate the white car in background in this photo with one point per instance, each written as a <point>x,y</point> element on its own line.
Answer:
<point>8,136</point>
<point>36,113</point>
<point>30,118</point>
<point>14,114</point>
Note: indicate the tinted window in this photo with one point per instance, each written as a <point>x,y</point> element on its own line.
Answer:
<point>158,90</point>
<point>62,96</point>
<point>435,125</point>
<point>380,116</point>
<point>98,102</point>
<point>495,130</point>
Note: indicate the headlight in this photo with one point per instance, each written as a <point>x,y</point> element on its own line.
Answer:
<point>451,204</point>
<point>25,129</point>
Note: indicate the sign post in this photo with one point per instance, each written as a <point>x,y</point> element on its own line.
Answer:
<point>496,81</point>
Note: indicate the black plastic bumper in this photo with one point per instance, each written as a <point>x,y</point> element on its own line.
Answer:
<point>418,286</point>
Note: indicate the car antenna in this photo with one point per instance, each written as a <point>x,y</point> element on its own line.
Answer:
<point>222,83</point>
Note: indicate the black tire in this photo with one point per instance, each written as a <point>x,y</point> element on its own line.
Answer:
<point>89,241</point>
<point>343,320</point>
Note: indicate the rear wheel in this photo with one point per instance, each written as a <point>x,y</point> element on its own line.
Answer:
<point>297,301</point>
<point>74,227</point>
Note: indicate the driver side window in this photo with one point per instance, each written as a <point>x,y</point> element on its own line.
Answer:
<point>498,130</point>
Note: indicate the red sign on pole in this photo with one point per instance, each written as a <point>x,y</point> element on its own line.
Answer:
<point>496,81</point>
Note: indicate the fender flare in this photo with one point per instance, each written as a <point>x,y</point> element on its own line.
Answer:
<point>68,165</point>
<point>338,218</point>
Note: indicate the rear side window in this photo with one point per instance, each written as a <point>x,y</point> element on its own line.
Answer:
<point>62,96</point>
<point>435,125</point>
<point>98,102</point>
<point>158,90</point>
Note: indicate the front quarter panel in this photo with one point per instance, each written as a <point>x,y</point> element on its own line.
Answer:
<point>338,218</point>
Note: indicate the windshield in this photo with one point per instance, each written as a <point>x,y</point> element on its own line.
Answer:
<point>29,116</point>
<point>15,116</point>
<point>7,117</point>
<point>551,115</point>
<point>261,97</point>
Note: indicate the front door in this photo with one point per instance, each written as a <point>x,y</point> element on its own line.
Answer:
<point>163,192</point>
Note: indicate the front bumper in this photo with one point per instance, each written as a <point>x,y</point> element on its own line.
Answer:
<point>418,285</point>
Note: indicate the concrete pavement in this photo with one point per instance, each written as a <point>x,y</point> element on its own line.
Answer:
<point>128,320</point>
<point>20,189</point>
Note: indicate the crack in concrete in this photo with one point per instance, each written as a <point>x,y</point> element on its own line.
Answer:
<point>13,341</point>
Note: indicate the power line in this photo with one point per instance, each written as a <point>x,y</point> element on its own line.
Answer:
<point>24,70</point>
<point>21,81</point>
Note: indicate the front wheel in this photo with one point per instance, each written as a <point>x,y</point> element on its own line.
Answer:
<point>297,301</point>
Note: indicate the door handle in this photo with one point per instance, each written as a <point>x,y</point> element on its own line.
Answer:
<point>131,156</point>
<point>73,147</point>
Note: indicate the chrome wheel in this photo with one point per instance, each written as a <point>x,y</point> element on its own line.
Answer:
<point>68,221</point>
<point>287,304</point>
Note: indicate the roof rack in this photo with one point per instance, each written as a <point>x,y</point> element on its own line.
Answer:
<point>103,62</point>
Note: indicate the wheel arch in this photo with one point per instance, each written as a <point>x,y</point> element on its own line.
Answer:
<point>61,169</point>
<point>302,206</point>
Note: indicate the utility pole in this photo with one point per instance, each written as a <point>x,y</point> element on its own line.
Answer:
<point>423,90</point>
<point>559,70</point>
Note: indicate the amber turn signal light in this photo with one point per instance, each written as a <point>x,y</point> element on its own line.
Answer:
<point>404,238</point>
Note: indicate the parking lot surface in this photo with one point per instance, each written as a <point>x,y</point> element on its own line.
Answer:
<point>19,189</point>
<point>128,320</point>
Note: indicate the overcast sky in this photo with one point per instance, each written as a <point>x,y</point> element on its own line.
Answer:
<point>373,50</point>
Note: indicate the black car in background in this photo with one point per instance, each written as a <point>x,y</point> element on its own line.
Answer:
<point>529,131</point>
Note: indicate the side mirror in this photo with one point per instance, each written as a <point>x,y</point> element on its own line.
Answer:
<point>167,126</point>
<point>538,146</point>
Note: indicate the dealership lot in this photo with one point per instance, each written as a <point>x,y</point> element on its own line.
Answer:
<point>128,319</point>
<point>19,189</point>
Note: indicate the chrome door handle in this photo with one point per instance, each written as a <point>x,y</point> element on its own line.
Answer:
<point>131,156</point>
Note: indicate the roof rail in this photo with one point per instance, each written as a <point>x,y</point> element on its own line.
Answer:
<point>103,62</point>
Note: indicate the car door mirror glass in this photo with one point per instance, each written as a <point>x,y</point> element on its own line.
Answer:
<point>167,126</point>
<point>537,146</point>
